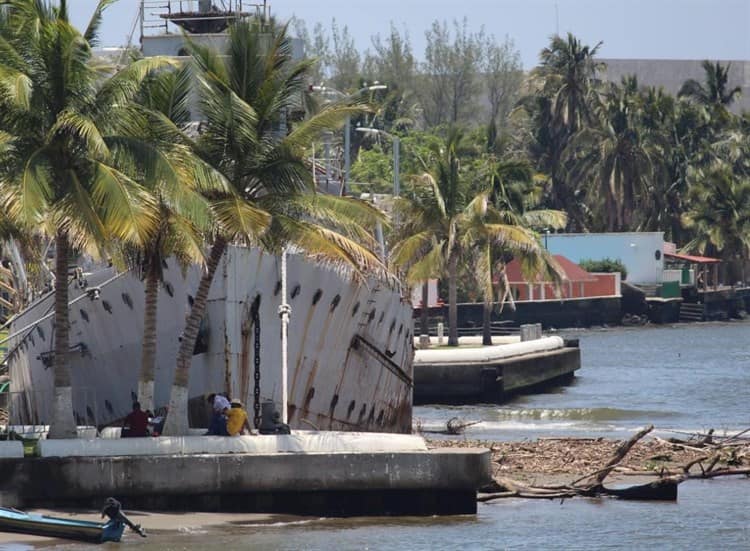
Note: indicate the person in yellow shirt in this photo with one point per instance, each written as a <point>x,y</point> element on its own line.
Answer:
<point>237,419</point>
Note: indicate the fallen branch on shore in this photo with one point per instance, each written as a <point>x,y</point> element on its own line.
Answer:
<point>705,457</point>
<point>454,426</point>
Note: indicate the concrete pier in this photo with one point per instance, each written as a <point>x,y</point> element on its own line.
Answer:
<point>483,377</point>
<point>346,483</point>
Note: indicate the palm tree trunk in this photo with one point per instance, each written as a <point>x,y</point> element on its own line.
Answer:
<point>425,312</point>
<point>486,325</point>
<point>148,352</point>
<point>452,306</point>
<point>62,423</point>
<point>177,417</point>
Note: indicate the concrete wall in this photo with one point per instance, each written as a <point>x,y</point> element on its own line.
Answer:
<point>302,442</point>
<point>672,73</point>
<point>487,354</point>
<point>11,448</point>
<point>637,251</point>
<point>433,482</point>
<point>600,285</point>
<point>582,312</point>
<point>494,381</point>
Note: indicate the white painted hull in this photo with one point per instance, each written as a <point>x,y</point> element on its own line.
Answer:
<point>350,345</point>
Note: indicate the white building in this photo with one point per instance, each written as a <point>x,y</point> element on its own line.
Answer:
<point>642,253</point>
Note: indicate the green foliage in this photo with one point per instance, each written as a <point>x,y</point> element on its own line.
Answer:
<point>605,265</point>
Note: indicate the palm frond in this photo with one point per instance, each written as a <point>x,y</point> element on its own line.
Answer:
<point>128,211</point>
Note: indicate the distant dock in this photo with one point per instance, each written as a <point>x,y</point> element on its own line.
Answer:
<point>493,374</point>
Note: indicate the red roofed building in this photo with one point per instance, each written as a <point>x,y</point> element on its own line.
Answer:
<point>577,283</point>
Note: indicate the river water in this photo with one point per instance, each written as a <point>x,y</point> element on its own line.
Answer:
<point>682,378</point>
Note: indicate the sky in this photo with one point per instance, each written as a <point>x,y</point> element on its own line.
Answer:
<point>649,29</point>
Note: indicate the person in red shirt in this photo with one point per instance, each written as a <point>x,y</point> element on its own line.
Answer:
<point>136,423</point>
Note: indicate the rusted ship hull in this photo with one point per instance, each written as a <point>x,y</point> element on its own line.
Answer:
<point>350,345</point>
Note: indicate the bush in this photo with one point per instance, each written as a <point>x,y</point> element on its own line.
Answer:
<point>605,265</point>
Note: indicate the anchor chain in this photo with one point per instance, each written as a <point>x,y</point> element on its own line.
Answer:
<point>256,373</point>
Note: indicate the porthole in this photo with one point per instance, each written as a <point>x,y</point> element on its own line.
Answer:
<point>164,265</point>
<point>41,333</point>
<point>334,402</point>
<point>400,329</point>
<point>316,297</point>
<point>277,288</point>
<point>84,315</point>
<point>381,416</point>
<point>392,328</point>
<point>310,395</point>
<point>168,288</point>
<point>108,406</point>
<point>350,409</point>
<point>90,413</point>
<point>191,301</point>
<point>382,315</point>
<point>371,316</point>
<point>107,306</point>
<point>362,412</point>
<point>335,302</point>
<point>355,309</point>
<point>371,417</point>
<point>127,300</point>
<point>296,290</point>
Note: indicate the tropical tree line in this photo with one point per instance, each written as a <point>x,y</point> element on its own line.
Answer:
<point>106,160</point>
<point>612,156</point>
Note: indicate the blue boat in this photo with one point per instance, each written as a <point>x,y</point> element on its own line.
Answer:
<point>13,520</point>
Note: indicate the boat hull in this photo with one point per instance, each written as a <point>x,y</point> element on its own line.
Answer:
<point>350,345</point>
<point>20,522</point>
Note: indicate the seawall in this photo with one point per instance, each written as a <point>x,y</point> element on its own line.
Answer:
<point>492,381</point>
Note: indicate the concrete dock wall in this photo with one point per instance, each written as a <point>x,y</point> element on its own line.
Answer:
<point>11,448</point>
<point>486,354</point>
<point>299,442</point>
<point>428,482</point>
<point>493,381</point>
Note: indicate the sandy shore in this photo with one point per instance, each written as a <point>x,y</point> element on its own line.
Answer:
<point>153,523</point>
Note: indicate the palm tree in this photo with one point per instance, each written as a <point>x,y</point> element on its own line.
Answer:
<point>249,95</point>
<point>569,70</point>
<point>614,155</point>
<point>507,228</point>
<point>719,215</point>
<point>714,93</point>
<point>69,123</point>
<point>429,243</point>
<point>496,236</point>
<point>184,210</point>
<point>561,104</point>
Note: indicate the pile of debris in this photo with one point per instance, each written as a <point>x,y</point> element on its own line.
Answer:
<point>591,460</point>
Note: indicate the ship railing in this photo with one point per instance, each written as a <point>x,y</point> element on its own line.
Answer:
<point>26,414</point>
<point>155,15</point>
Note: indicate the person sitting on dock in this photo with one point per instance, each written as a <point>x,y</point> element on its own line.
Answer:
<point>220,406</point>
<point>237,419</point>
<point>136,423</point>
